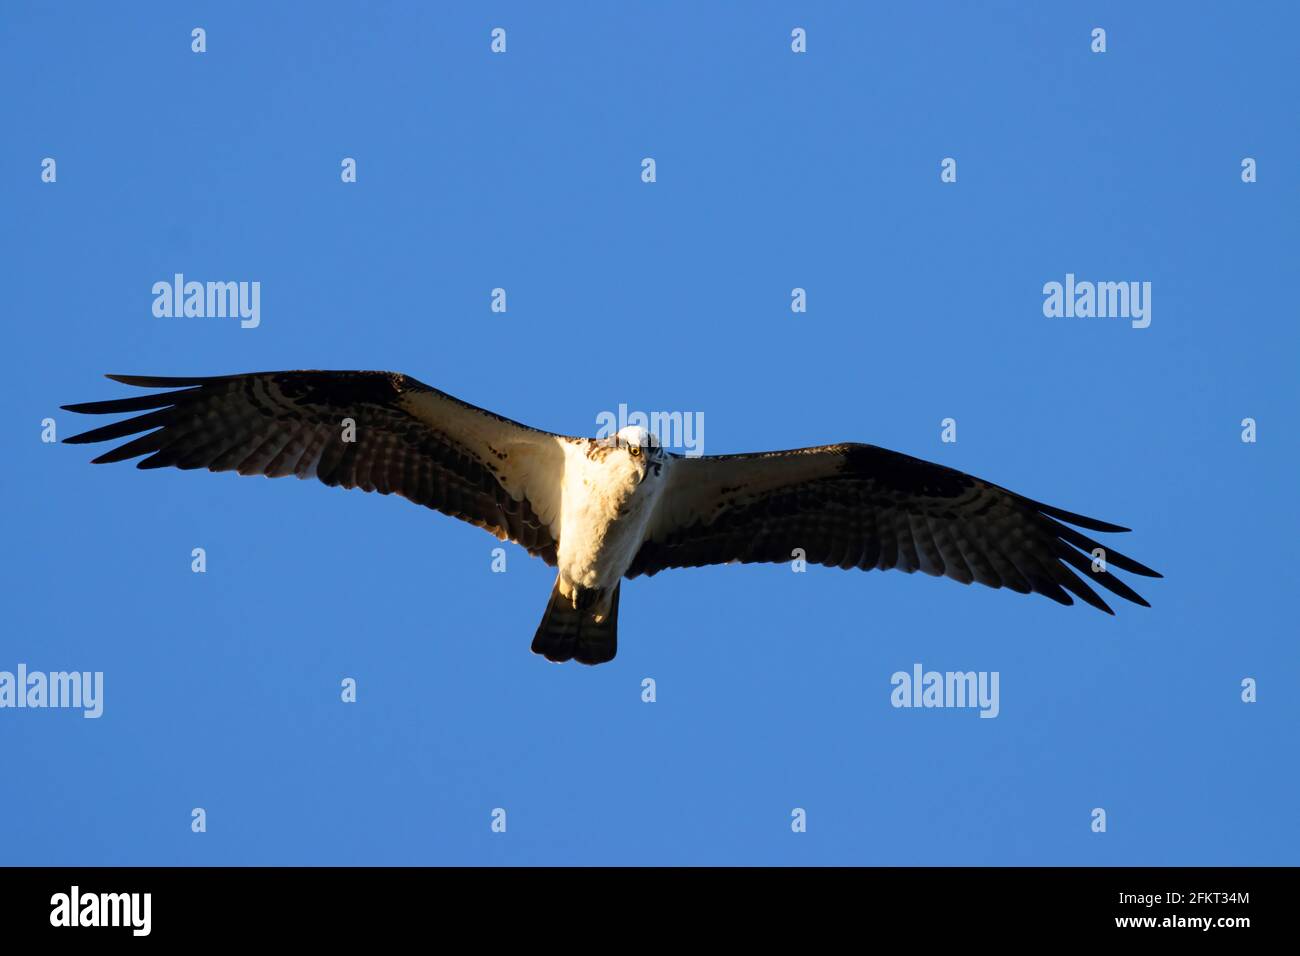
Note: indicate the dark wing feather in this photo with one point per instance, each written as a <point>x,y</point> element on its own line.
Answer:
<point>859,506</point>
<point>410,440</point>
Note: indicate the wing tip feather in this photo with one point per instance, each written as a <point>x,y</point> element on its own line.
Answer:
<point>164,381</point>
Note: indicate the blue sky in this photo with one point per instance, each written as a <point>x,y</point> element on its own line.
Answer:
<point>775,170</point>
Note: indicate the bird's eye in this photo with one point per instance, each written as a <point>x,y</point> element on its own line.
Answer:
<point>634,451</point>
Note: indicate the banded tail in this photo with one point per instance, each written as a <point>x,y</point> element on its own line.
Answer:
<point>569,633</point>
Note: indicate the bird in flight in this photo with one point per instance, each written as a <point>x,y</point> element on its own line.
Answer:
<point>601,510</point>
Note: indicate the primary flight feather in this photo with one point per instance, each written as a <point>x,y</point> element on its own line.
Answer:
<point>600,510</point>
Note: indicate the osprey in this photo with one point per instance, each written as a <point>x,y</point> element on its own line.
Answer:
<point>600,510</point>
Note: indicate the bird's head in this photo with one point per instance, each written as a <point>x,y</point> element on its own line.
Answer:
<point>642,452</point>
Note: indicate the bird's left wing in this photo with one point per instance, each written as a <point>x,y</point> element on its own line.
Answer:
<point>866,507</point>
<point>377,431</point>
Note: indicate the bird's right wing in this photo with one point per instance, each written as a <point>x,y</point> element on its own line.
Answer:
<point>406,438</point>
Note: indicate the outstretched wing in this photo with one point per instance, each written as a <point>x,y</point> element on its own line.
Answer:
<point>406,438</point>
<point>859,506</point>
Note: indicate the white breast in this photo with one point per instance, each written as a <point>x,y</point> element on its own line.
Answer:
<point>604,516</point>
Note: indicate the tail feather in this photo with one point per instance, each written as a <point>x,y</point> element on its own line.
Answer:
<point>571,634</point>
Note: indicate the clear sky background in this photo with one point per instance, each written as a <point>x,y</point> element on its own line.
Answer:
<point>775,171</point>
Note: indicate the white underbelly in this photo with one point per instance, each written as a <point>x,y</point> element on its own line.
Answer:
<point>603,519</point>
<point>595,548</point>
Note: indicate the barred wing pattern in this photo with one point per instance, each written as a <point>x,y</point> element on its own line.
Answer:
<point>410,440</point>
<point>859,506</point>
